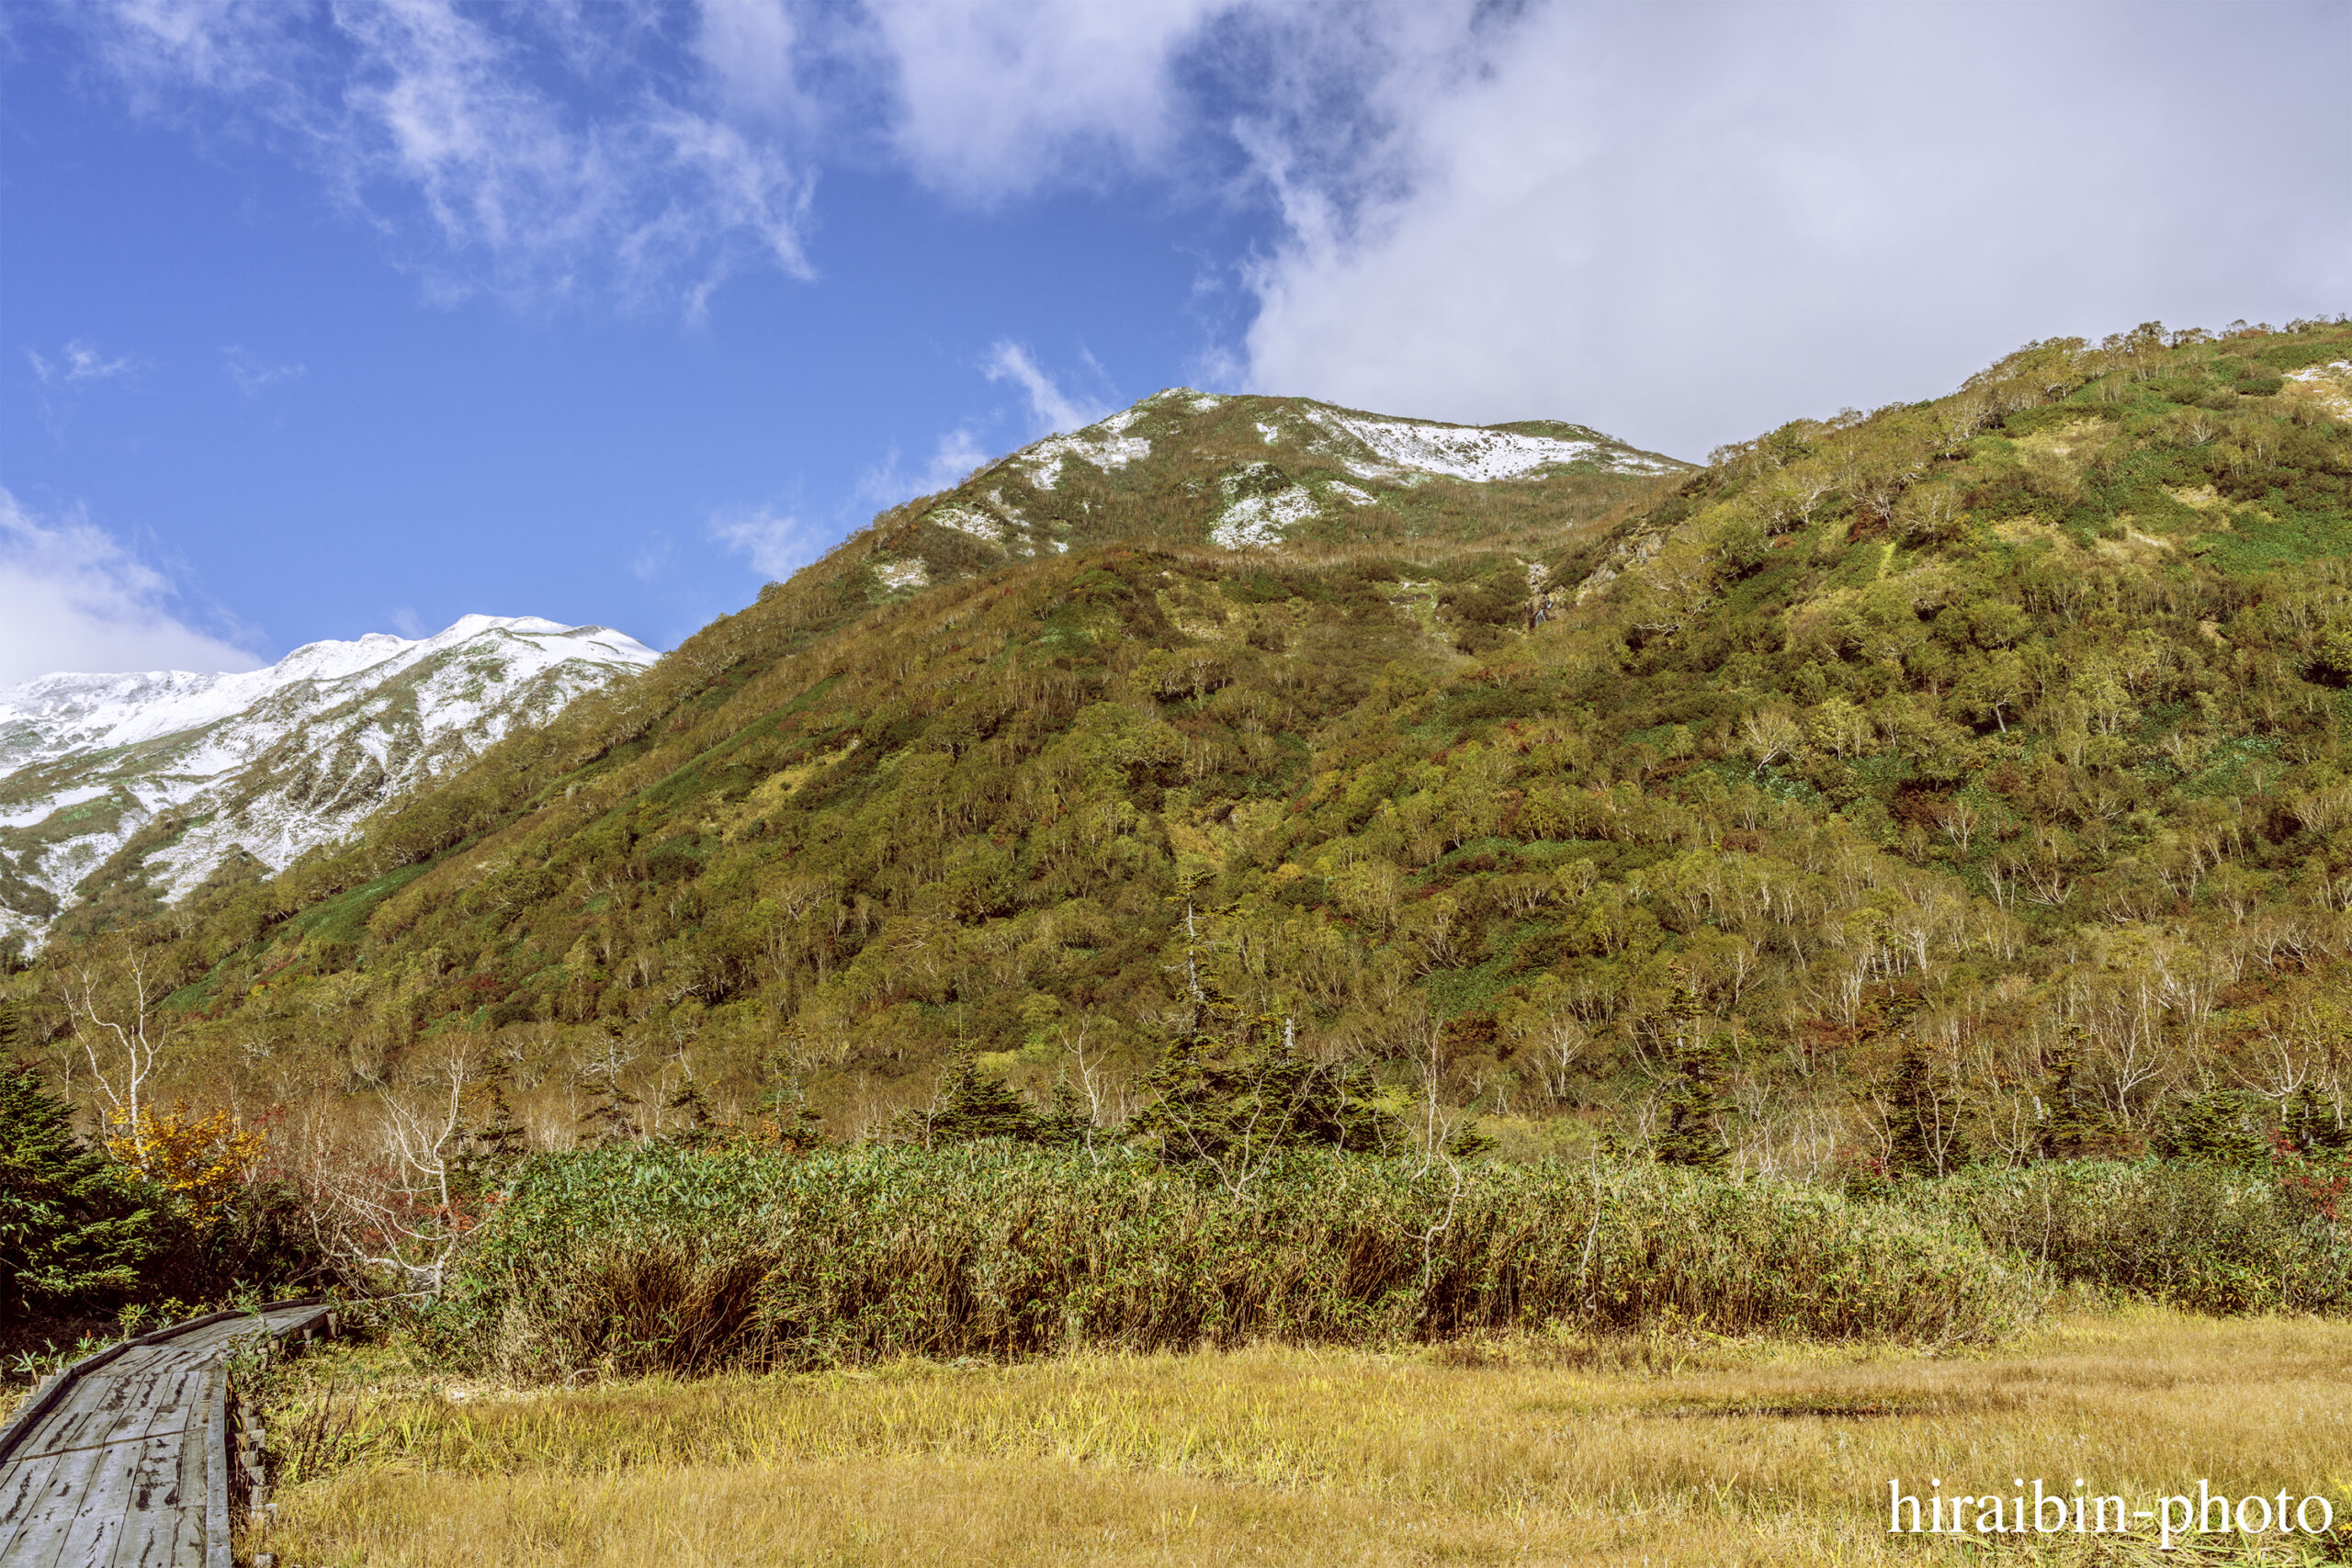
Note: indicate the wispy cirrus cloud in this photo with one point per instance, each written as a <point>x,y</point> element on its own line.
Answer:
<point>547,155</point>
<point>1050,407</point>
<point>79,599</point>
<point>79,364</point>
<point>250,374</point>
<point>957,453</point>
<point>777,544</point>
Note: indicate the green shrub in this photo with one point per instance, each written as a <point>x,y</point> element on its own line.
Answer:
<point>635,1260</point>
<point>2199,1234</point>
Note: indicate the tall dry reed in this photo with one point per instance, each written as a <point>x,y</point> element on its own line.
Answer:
<point>631,1260</point>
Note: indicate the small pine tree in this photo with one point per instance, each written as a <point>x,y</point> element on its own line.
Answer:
<point>492,1148</point>
<point>2219,1126</point>
<point>74,1226</point>
<point>1467,1143</point>
<point>1233,1087</point>
<point>1067,1120</point>
<point>1921,1117</point>
<point>970,1105</point>
<point>611,1117</point>
<point>2070,1130</point>
<point>2314,1126</point>
<point>700,1128</point>
<point>1694,1103</point>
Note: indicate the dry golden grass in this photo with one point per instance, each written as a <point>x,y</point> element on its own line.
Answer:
<point>1659,1451</point>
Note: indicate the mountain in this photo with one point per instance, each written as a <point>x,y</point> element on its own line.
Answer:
<point>1253,473</point>
<point>126,792</point>
<point>1964,779</point>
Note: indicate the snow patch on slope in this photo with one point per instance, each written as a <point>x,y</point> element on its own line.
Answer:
<point>969,520</point>
<point>1257,522</point>
<point>1110,449</point>
<point>1468,452</point>
<point>2333,383</point>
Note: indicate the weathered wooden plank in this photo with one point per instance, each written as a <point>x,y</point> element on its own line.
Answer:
<point>40,1542</point>
<point>216,1479</point>
<point>22,1487</point>
<point>125,1464</point>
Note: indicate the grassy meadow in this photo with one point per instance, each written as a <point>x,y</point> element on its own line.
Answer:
<point>1668,1446</point>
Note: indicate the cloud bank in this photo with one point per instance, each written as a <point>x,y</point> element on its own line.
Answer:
<point>1688,224</point>
<point>77,600</point>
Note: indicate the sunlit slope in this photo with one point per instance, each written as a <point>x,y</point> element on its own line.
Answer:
<point>1991,750</point>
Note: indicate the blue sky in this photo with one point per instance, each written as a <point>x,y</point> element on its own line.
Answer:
<point>323,320</point>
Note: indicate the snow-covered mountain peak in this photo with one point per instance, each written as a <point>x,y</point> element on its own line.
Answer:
<point>178,769</point>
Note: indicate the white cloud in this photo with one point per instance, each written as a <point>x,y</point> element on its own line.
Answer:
<point>406,621</point>
<point>1002,100</point>
<point>78,364</point>
<point>1050,409</point>
<point>251,374</point>
<point>957,453</point>
<point>1688,225</point>
<point>777,544</point>
<point>544,153</point>
<point>1682,223</point>
<point>74,599</point>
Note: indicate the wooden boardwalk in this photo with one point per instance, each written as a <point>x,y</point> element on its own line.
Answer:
<point>123,1462</point>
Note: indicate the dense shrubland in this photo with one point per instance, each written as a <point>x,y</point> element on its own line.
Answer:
<point>1957,787</point>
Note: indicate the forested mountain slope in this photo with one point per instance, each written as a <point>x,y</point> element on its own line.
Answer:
<point>1977,767</point>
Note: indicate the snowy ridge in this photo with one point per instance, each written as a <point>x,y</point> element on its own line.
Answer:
<point>154,779</point>
<point>1240,472</point>
<point>1470,452</point>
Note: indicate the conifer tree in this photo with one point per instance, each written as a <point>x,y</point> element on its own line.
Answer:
<point>73,1226</point>
<point>2214,1125</point>
<point>2314,1126</point>
<point>494,1148</point>
<point>2070,1130</point>
<point>1232,1085</point>
<point>689,1105</point>
<point>611,1117</point>
<point>1923,1118</point>
<point>1066,1121</point>
<point>1695,1107</point>
<point>971,1105</point>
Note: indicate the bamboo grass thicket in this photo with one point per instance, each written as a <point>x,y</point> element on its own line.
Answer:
<point>622,1261</point>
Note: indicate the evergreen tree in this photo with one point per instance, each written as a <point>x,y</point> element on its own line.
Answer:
<point>970,1105</point>
<point>2220,1125</point>
<point>701,1129</point>
<point>2070,1129</point>
<point>1466,1142</point>
<point>1230,1086</point>
<point>74,1226</point>
<point>2314,1126</point>
<point>1691,1133</point>
<point>494,1148</point>
<point>611,1117</point>
<point>1923,1117</point>
<point>1066,1121</point>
